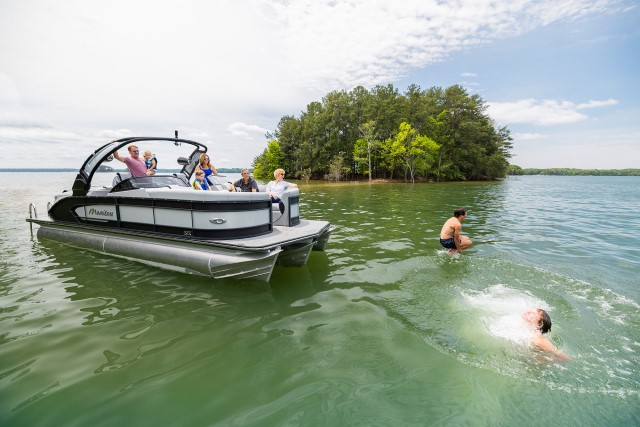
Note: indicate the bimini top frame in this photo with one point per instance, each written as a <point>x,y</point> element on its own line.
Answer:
<point>82,183</point>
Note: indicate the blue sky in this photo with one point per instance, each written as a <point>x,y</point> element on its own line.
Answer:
<point>569,92</point>
<point>563,76</point>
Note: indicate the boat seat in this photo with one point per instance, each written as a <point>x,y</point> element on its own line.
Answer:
<point>120,176</point>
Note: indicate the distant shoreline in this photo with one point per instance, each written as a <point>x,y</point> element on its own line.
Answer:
<point>528,171</point>
<point>573,172</point>
<point>220,170</point>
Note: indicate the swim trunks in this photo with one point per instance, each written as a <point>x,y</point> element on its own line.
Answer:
<point>449,243</point>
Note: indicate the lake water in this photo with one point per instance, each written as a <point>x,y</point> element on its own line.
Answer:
<point>383,328</point>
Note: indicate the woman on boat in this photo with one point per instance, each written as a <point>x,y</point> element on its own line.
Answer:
<point>204,164</point>
<point>278,186</point>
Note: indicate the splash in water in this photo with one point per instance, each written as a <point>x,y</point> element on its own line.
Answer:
<point>500,310</point>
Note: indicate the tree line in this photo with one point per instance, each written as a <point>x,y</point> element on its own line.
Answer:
<point>517,170</point>
<point>434,134</point>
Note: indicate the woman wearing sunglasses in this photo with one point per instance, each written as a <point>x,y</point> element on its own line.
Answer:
<point>279,186</point>
<point>204,164</point>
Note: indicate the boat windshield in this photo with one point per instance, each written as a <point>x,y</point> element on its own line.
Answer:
<point>95,158</point>
<point>151,182</point>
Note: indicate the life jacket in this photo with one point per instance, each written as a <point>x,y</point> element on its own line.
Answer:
<point>204,185</point>
<point>149,162</point>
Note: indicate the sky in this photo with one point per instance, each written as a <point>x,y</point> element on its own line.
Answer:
<point>562,75</point>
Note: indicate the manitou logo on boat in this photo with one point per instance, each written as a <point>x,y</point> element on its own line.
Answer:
<point>94,211</point>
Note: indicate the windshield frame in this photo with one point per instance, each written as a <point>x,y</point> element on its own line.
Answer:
<point>82,183</point>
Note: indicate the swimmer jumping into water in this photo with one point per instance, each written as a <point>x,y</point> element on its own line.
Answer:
<point>541,323</point>
<point>450,236</point>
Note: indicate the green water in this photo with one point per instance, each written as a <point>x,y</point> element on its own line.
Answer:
<point>383,328</point>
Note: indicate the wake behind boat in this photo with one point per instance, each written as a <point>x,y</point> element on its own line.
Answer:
<point>162,220</point>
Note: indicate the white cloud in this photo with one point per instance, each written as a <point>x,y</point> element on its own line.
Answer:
<point>582,149</point>
<point>113,134</point>
<point>545,112</point>
<point>35,134</point>
<point>246,131</point>
<point>342,44</point>
<point>151,66</point>
<point>595,104</point>
<point>9,93</point>
<point>528,136</point>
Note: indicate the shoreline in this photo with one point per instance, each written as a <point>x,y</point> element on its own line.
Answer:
<point>577,172</point>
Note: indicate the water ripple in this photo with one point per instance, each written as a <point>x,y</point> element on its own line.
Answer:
<point>383,328</point>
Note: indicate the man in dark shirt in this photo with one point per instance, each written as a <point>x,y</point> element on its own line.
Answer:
<point>246,183</point>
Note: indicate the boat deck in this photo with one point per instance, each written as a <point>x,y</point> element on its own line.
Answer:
<point>279,237</point>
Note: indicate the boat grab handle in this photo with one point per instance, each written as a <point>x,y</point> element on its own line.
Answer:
<point>33,213</point>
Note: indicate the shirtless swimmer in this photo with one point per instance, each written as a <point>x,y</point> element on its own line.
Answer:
<point>450,236</point>
<point>540,323</point>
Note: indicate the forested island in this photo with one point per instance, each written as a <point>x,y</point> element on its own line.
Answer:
<point>434,134</point>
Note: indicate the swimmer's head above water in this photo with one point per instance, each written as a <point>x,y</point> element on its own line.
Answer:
<point>459,212</point>
<point>538,318</point>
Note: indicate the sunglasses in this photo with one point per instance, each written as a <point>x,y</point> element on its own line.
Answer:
<point>135,151</point>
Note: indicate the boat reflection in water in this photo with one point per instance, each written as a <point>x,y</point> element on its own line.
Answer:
<point>161,220</point>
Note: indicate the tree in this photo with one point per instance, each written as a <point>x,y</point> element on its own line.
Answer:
<point>271,159</point>
<point>386,109</point>
<point>289,137</point>
<point>515,170</point>
<point>365,146</point>
<point>336,169</point>
<point>362,127</point>
<point>414,151</point>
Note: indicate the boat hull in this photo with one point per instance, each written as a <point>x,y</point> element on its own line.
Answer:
<point>206,260</point>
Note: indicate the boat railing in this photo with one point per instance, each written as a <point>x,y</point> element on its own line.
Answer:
<point>33,214</point>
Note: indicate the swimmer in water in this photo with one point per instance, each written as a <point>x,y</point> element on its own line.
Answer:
<point>540,321</point>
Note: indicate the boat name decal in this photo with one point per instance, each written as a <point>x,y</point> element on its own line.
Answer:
<point>94,211</point>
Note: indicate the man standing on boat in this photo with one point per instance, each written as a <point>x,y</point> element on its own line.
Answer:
<point>136,165</point>
<point>450,236</point>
